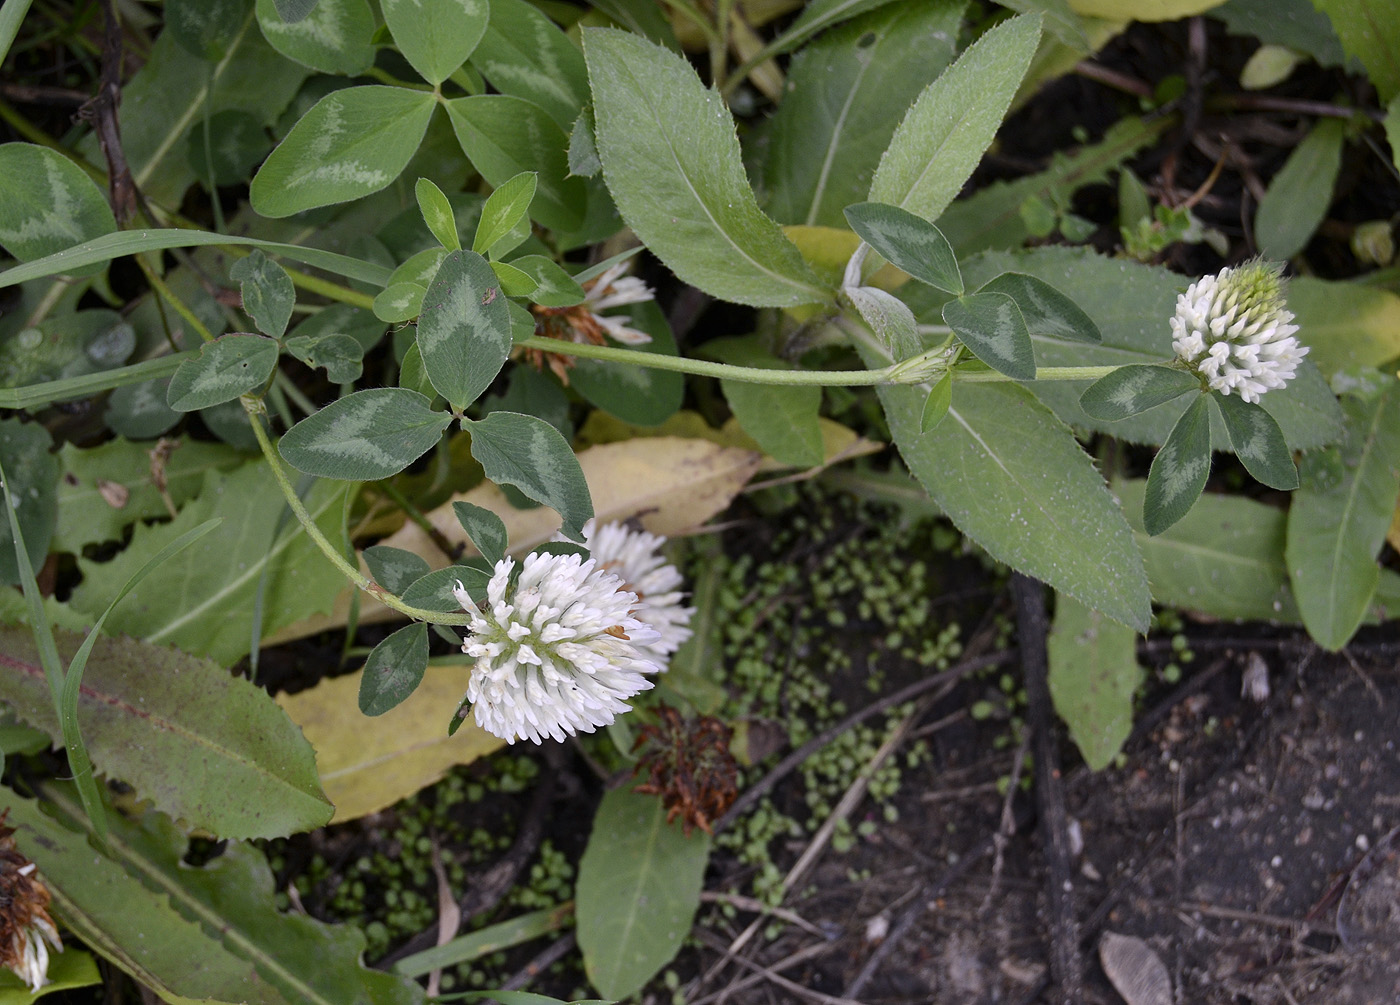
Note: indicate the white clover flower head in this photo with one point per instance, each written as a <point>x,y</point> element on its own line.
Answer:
<point>560,654</point>
<point>634,556</point>
<point>1235,332</point>
<point>583,324</point>
<point>613,289</point>
<point>31,954</point>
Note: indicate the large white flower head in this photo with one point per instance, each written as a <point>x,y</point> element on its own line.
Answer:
<point>557,653</point>
<point>1234,330</point>
<point>635,557</point>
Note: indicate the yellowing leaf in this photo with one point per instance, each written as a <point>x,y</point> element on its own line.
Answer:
<point>368,763</point>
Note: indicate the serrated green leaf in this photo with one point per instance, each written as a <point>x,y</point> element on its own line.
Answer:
<point>671,159</point>
<point>205,597</point>
<point>333,37</point>
<point>394,669</point>
<point>464,329</point>
<point>1134,388</point>
<point>436,36</point>
<point>909,242</point>
<point>1339,517</point>
<point>1179,471</point>
<point>553,286</point>
<point>638,889</point>
<point>505,136</point>
<point>845,94</point>
<point>526,55</point>
<point>944,134</point>
<point>399,302</point>
<point>365,436</point>
<point>33,477</point>
<point>352,142</point>
<point>146,710</point>
<point>1257,441</point>
<point>888,317</point>
<point>529,453</point>
<point>48,204</point>
<point>225,368</point>
<point>1093,676</point>
<point>1045,309</point>
<point>1011,476</point>
<point>1224,558</point>
<point>1298,196</point>
<point>936,405</point>
<point>437,214</point>
<point>104,489</point>
<point>505,208</point>
<point>990,324</point>
<point>268,294</point>
<point>209,933</point>
<point>485,529</point>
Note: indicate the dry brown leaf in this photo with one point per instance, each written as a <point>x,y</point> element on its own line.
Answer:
<point>369,762</point>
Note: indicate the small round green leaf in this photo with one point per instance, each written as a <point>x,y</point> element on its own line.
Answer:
<point>205,28</point>
<point>1258,442</point>
<point>399,302</point>
<point>1045,309</point>
<point>268,293</point>
<point>48,205</point>
<point>393,568</point>
<point>514,282</point>
<point>364,436</point>
<point>333,36</point>
<point>436,36</point>
<point>529,453</point>
<point>1179,471</point>
<point>351,143</point>
<point>224,369</point>
<point>1134,388</point>
<point>394,669</point>
<point>909,242</point>
<point>433,592</point>
<point>991,325</point>
<point>139,411</point>
<point>486,530</point>
<point>339,355</point>
<point>464,328</point>
<point>437,213</point>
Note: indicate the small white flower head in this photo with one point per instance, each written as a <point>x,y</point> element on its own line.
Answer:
<point>634,556</point>
<point>582,323</point>
<point>31,954</point>
<point>1234,331</point>
<point>560,654</point>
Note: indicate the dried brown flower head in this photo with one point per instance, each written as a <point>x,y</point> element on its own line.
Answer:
<point>688,764</point>
<point>24,914</point>
<point>581,323</point>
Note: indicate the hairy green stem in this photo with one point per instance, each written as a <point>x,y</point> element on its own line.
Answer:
<point>358,578</point>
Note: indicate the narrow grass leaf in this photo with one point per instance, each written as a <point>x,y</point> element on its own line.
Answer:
<point>1178,473</point>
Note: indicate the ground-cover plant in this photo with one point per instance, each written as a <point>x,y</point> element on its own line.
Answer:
<point>357,272</point>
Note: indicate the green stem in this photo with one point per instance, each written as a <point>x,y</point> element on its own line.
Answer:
<point>168,295</point>
<point>72,388</point>
<point>384,77</point>
<point>326,288</point>
<point>47,302</point>
<point>351,573</point>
